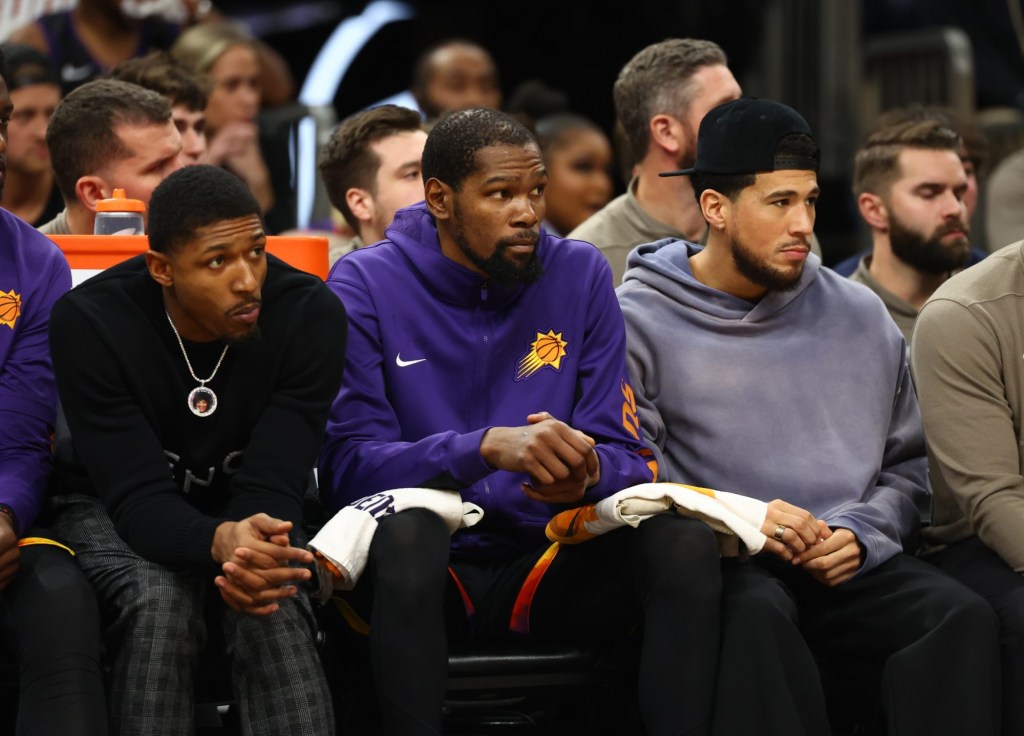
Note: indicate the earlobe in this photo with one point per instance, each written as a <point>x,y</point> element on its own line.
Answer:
<point>160,269</point>
<point>715,208</point>
<point>438,197</point>
<point>91,189</point>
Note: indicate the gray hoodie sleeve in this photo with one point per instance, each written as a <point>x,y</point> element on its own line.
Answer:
<point>888,513</point>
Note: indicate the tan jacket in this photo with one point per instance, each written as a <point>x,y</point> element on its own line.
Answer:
<point>902,312</point>
<point>968,362</point>
<point>621,226</point>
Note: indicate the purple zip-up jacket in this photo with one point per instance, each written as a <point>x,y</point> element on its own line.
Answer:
<point>33,275</point>
<point>436,357</point>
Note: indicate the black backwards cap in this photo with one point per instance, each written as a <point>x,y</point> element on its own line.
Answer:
<point>740,137</point>
<point>27,65</point>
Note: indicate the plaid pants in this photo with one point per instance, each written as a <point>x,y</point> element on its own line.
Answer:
<point>154,629</point>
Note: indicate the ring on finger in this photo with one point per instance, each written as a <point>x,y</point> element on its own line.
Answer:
<point>779,531</point>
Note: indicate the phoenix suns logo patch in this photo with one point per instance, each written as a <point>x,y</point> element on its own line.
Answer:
<point>546,351</point>
<point>10,308</point>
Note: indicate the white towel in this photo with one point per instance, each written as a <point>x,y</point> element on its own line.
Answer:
<point>734,518</point>
<point>344,541</point>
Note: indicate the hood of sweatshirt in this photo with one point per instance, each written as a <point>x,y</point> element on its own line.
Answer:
<point>664,265</point>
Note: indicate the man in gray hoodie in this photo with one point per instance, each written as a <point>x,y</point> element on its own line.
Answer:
<point>761,373</point>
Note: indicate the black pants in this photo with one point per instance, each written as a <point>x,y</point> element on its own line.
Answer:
<point>664,574</point>
<point>51,622</point>
<point>933,640</point>
<point>985,572</point>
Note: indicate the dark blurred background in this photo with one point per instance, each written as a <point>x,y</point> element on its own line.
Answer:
<point>839,62</point>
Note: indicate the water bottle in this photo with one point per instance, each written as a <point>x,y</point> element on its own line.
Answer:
<point>120,216</point>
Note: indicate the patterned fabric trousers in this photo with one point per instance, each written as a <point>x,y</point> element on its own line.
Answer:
<point>154,628</point>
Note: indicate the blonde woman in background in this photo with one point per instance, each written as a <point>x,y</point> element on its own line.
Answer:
<point>229,57</point>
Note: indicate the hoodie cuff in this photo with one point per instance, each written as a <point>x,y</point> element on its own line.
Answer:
<point>463,458</point>
<point>864,538</point>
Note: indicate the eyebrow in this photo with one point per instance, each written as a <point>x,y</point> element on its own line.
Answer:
<point>939,185</point>
<point>499,178</point>
<point>257,237</point>
<point>791,193</point>
<point>160,163</point>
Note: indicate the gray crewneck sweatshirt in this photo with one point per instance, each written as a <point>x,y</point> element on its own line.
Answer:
<point>804,396</point>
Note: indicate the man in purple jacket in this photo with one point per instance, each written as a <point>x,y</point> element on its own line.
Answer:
<point>48,614</point>
<point>489,357</point>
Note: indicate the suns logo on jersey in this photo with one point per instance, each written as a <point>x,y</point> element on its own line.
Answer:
<point>547,350</point>
<point>10,308</point>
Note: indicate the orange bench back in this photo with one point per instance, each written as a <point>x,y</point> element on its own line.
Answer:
<point>90,254</point>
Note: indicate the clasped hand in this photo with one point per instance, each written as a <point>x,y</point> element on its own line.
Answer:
<point>255,555</point>
<point>561,461</point>
<point>830,556</point>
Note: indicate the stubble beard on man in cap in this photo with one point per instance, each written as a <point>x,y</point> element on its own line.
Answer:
<point>758,271</point>
<point>930,254</point>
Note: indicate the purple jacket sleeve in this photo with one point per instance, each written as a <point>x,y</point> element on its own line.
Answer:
<point>28,394</point>
<point>606,409</point>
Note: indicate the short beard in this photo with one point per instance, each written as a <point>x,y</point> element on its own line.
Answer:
<point>503,271</point>
<point>760,273</point>
<point>688,153</point>
<point>929,255</point>
<point>243,342</point>
<point>497,267</point>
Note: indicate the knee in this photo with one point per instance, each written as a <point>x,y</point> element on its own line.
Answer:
<point>292,628</point>
<point>411,536</point>
<point>1009,608</point>
<point>68,593</point>
<point>410,548</point>
<point>958,614</point>
<point>52,580</point>
<point>678,563</point>
<point>161,605</point>
<point>54,607</point>
<point>681,551</point>
<point>764,610</point>
<point>669,536</point>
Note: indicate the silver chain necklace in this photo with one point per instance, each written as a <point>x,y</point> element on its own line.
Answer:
<point>202,401</point>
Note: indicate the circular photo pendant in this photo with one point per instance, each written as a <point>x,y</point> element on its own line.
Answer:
<point>202,401</point>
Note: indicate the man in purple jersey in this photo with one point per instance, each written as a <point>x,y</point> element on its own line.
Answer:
<point>489,357</point>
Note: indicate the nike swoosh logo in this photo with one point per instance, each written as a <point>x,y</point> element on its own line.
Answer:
<point>403,363</point>
<point>71,73</point>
